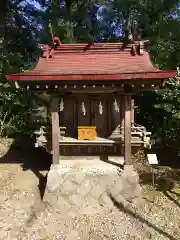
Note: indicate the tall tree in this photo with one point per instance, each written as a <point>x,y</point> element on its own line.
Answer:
<point>19,50</point>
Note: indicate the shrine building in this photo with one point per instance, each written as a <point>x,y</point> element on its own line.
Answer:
<point>91,87</point>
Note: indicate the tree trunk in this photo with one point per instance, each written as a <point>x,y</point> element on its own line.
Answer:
<point>3,14</point>
<point>69,21</point>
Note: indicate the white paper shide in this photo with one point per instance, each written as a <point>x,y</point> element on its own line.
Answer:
<point>100,108</point>
<point>61,105</point>
<point>116,107</point>
<point>83,109</point>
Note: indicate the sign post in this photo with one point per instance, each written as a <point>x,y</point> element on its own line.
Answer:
<point>152,160</point>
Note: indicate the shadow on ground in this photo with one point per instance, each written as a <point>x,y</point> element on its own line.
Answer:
<point>169,196</point>
<point>34,159</point>
<point>140,218</point>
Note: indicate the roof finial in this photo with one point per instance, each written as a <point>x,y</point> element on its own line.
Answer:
<point>56,41</point>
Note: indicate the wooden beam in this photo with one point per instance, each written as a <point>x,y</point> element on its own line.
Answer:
<point>127,129</point>
<point>55,129</point>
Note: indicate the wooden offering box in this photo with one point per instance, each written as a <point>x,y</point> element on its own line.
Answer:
<point>87,133</point>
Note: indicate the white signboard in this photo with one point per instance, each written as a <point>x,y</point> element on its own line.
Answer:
<point>152,159</point>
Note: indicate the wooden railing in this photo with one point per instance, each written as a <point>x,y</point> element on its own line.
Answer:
<point>139,135</point>
<point>43,134</point>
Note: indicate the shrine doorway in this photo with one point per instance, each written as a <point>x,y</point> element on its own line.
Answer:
<point>102,111</point>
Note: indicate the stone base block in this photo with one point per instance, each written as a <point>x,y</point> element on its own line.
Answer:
<point>55,178</point>
<point>76,187</point>
<point>127,188</point>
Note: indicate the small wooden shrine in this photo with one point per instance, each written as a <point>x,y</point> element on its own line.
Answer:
<point>92,88</point>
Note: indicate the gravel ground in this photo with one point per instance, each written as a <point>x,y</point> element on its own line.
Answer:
<point>24,216</point>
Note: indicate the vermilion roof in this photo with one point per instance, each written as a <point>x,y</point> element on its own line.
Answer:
<point>83,61</point>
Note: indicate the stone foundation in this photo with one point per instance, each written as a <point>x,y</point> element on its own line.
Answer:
<point>83,185</point>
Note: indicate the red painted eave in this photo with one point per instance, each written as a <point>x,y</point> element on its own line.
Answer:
<point>93,77</point>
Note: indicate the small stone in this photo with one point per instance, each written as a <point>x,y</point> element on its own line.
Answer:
<point>105,201</point>
<point>73,235</point>
<point>84,188</point>
<point>116,188</point>
<point>95,235</point>
<point>61,202</point>
<point>68,186</point>
<point>76,199</point>
<point>130,174</point>
<point>91,201</point>
<point>54,180</point>
<point>72,213</point>
<point>78,177</point>
<point>50,198</point>
<point>98,189</point>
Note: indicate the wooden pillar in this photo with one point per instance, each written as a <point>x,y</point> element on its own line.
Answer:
<point>132,112</point>
<point>55,130</point>
<point>122,113</point>
<point>127,129</point>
